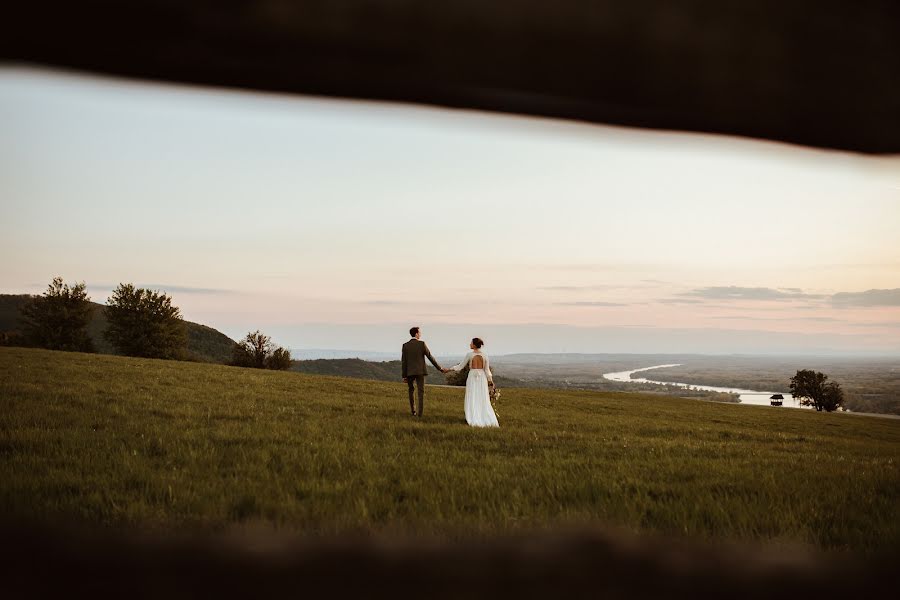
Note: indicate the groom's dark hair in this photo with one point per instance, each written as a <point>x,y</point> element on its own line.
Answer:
<point>413,331</point>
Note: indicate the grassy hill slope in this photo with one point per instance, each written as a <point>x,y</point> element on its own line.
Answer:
<point>114,441</point>
<point>204,343</point>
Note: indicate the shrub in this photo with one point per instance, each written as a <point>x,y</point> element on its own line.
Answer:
<point>257,351</point>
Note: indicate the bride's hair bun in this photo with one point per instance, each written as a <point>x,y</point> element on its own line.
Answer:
<point>478,342</point>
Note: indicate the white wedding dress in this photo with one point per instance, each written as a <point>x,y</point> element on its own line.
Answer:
<point>479,412</point>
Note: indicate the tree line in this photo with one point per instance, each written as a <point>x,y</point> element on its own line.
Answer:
<point>141,323</point>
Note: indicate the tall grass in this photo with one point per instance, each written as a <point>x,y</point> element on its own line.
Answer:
<point>133,443</point>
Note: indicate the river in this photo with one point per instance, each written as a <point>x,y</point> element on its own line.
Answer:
<point>746,396</point>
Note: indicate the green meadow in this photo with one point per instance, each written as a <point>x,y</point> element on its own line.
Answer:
<point>136,444</point>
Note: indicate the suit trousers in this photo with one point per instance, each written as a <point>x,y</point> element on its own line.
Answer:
<point>418,380</point>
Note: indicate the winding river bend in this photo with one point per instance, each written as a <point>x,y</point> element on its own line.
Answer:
<point>746,396</point>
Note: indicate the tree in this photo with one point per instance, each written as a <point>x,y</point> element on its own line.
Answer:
<point>813,388</point>
<point>58,319</point>
<point>257,351</point>
<point>144,323</point>
<point>833,399</point>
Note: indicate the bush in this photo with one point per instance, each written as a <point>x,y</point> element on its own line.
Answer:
<point>280,360</point>
<point>257,351</point>
<point>144,323</point>
<point>58,319</point>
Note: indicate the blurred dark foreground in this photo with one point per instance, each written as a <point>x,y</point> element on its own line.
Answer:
<point>39,562</point>
<point>813,72</point>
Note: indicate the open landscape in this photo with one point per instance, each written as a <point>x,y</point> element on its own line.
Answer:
<point>139,444</point>
<point>444,300</point>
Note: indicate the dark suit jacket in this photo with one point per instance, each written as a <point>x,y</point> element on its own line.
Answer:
<point>413,358</point>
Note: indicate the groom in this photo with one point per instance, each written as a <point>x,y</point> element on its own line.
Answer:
<point>413,366</point>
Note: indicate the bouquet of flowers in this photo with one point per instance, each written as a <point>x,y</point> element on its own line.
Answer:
<point>495,399</point>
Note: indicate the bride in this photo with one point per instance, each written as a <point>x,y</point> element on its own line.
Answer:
<point>479,412</point>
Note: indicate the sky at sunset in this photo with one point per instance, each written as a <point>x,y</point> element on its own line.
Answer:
<point>338,224</point>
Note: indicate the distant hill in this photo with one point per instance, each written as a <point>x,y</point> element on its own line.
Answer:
<point>380,371</point>
<point>331,353</point>
<point>204,343</point>
<point>357,369</point>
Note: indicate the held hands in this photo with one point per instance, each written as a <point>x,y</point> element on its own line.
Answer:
<point>406,380</point>
<point>445,370</point>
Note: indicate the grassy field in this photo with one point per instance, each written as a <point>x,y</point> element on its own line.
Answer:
<point>147,444</point>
